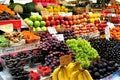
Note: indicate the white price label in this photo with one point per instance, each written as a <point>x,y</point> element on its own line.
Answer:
<point>60,37</point>
<point>34,13</point>
<point>94,1</point>
<point>110,25</point>
<point>52,30</point>
<point>107,33</point>
<point>22,1</point>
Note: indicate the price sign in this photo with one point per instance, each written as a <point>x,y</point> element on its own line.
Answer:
<point>60,37</point>
<point>107,33</point>
<point>34,13</point>
<point>22,1</point>
<point>94,1</point>
<point>66,59</point>
<point>52,30</point>
<point>7,28</point>
<point>110,25</point>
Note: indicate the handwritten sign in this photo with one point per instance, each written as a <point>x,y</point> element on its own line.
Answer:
<point>22,1</point>
<point>66,59</point>
<point>107,33</point>
<point>60,37</point>
<point>34,13</point>
<point>7,28</point>
<point>52,30</point>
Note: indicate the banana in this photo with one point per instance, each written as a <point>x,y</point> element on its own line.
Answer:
<point>87,75</point>
<point>74,75</point>
<point>62,75</point>
<point>55,73</point>
<point>73,67</point>
<point>80,76</point>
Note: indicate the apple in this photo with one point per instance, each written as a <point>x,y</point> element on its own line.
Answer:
<point>49,18</point>
<point>78,21</point>
<point>44,28</point>
<point>39,18</point>
<point>81,17</point>
<point>67,26</point>
<point>52,22</point>
<point>56,17</point>
<point>57,22</point>
<point>38,29</point>
<point>30,23</point>
<point>36,23</point>
<point>47,23</point>
<point>69,18</point>
<point>61,17</point>
<point>74,21</point>
<point>26,19</point>
<point>45,18</point>
<point>70,23</point>
<point>33,17</point>
<point>62,21</point>
<point>74,17</point>
<point>42,23</point>
<point>65,18</point>
<point>66,22</point>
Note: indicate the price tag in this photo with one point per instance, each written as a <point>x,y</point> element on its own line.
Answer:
<point>107,33</point>
<point>34,13</point>
<point>110,25</point>
<point>52,30</point>
<point>60,37</point>
<point>94,1</point>
<point>7,28</point>
<point>66,59</point>
<point>22,1</point>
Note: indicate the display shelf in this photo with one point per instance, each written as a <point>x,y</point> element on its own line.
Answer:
<point>19,48</point>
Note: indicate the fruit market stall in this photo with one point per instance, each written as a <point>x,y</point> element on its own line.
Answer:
<point>58,44</point>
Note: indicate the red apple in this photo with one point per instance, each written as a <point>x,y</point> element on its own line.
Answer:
<point>67,26</point>
<point>52,22</point>
<point>45,18</point>
<point>57,22</point>
<point>56,17</point>
<point>49,18</point>
<point>61,17</point>
<point>47,23</point>
<point>74,21</point>
<point>66,22</point>
<point>74,17</point>
<point>70,18</point>
<point>70,23</point>
<point>62,22</point>
<point>81,17</point>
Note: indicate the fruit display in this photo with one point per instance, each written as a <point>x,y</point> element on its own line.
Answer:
<point>116,7</point>
<point>101,25</point>
<point>83,51</point>
<point>115,20</point>
<point>15,38</point>
<point>56,9</point>
<point>30,37</point>
<point>36,22</point>
<point>108,49</point>
<point>68,34</point>
<point>84,29</point>
<point>62,73</point>
<point>3,42</point>
<point>52,49</point>
<point>102,68</point>
<point>4,8</point>
<point>44,70</point>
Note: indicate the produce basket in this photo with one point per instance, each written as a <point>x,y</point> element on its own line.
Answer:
<point>16,23</point>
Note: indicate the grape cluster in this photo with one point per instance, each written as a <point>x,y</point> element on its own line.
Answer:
<point>68,34</point>
<point>102,68</point>
<point>108,49</point>
<point>52,49</point>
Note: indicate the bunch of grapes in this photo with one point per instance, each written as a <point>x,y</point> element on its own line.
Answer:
<point>108,49</point>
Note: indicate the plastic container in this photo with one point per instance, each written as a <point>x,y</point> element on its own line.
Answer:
<point>16,23</point>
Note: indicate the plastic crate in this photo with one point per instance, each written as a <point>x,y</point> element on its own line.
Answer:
<point>16,23</point>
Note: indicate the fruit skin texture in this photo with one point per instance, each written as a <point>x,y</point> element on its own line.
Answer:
<point>74,75</point>
<point>87,75</point>
<point>55,73</point>
<point>73,67</point>
<point>62,75</point>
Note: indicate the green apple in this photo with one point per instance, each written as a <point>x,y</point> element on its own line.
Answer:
<point>38,29</point>
<point>39,18</point>
<point>30,23</point>
<point>34,29</point>
<point>42,23</point>
<point>36,23</point>
<point>26,19</point>
<point>33,17</point>
<point>44,28</point>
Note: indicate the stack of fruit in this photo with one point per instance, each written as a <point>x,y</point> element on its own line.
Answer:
<point>35,21</point>
<point>83,51</point>
<point>73,71</point>
<point>84,29</point>
<point>102,68</point>
<point>56,9</point>
<point>108,49</point>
